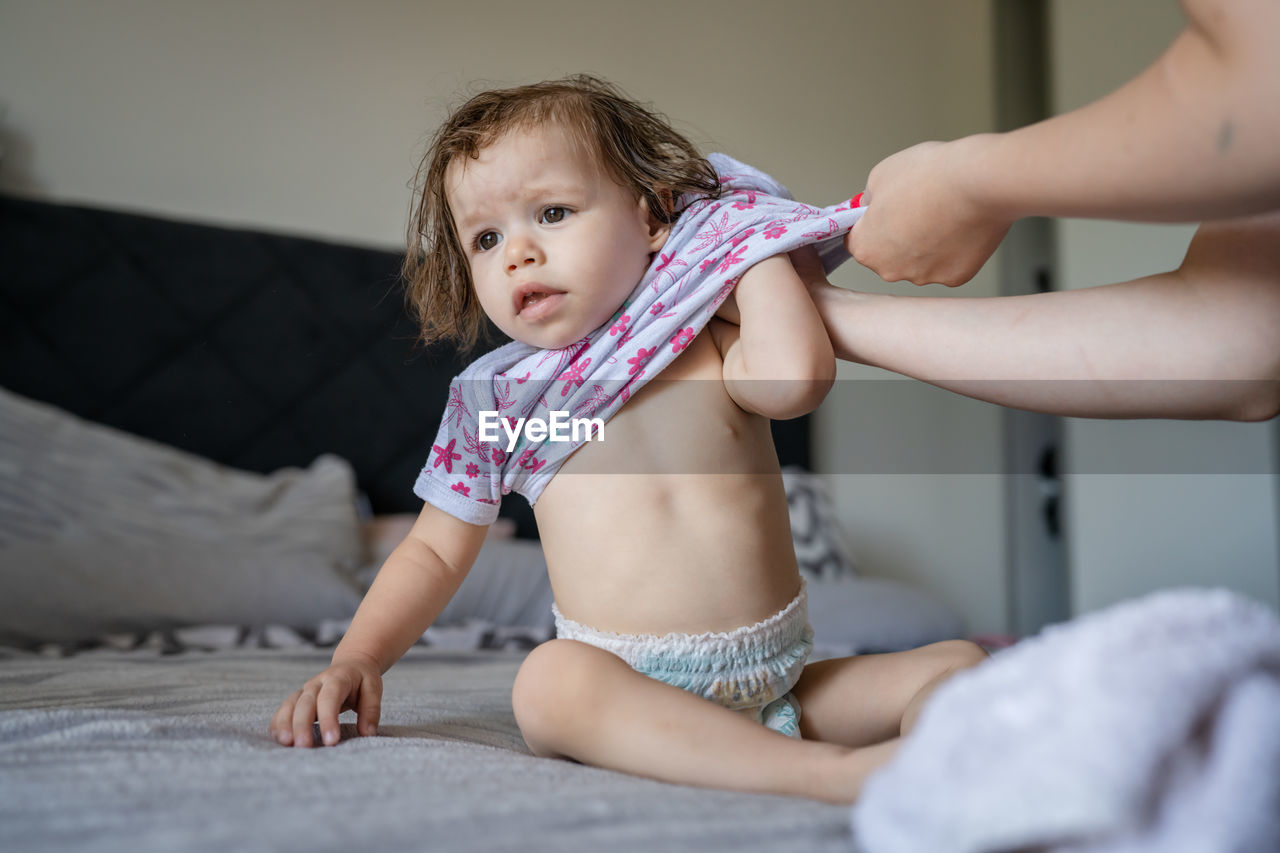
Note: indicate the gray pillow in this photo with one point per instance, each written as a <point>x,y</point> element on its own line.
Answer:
<point>507,586</point>
<point>102,531</point>
<point>861,615</point>
<point>822,550</point>
<point>851,614</point>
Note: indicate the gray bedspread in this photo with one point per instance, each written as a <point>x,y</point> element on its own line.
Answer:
<point>138,750</point>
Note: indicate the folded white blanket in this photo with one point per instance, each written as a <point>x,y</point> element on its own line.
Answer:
<point>1151,726</point>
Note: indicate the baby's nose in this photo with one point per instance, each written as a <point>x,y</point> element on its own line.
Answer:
<point>522,253</point>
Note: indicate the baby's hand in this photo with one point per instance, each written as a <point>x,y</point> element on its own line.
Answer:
<point>352,683</point>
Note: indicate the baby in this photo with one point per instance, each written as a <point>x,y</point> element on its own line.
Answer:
<point>592,233</point>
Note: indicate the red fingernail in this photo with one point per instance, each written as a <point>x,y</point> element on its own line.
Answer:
<point>856,201</point>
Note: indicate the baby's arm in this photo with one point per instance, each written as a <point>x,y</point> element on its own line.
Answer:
<point>778,360</point>
<point>409,593</point>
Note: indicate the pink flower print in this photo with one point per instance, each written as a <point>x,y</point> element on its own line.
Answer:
<point>662,269</point>
<point>637,361</point>
<point>462,489</point>
<point>473,470</point>
<point>502,396</point>
<point>620,327</point>
<point>657,308</point>
<point>708,263</point>
<point>682,339</point>
<point>747,203</point>
<point>774,231</point>
<point>626,336</point>
<point>527,462</point>
<point>716,233</point>
<point>626,394</point>
<point>599,398</point>
<point>731,259</point>
<point>573,375</point>
<point>473,444</point>
<point>697,207</point>
<point>744,235</point>
<point>457,408</point>
<point>832,227</point>
<point>445,455</point>
<point>498,455</point>
<point>522,381</point>
<point>723,293</point>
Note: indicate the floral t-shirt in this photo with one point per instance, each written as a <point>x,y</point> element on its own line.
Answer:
<point>483,449</point>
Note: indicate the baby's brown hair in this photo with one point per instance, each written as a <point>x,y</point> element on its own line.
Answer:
<point>636,147</point>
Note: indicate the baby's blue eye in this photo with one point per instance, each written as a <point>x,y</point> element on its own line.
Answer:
<point>487,241</point>
<point>552,215</point>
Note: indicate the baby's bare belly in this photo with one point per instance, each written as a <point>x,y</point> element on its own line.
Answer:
<point>703,544</point>
<point>668,553</point>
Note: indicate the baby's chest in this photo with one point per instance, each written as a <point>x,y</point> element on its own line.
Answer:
<point>683,421</point>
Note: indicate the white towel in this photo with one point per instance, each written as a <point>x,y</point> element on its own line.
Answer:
<point>1151,726</point>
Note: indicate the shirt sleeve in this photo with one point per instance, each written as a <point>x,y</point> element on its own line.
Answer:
<point>463,475</point>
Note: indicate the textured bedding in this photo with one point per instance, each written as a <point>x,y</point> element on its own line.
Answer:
<point>143,750</point>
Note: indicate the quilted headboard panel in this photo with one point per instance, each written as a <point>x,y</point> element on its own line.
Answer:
<point>255,350</point>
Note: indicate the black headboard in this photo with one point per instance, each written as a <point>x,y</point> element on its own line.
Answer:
<point>255,350</point>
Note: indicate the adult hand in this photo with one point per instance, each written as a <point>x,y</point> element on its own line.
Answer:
<point>923,224</point>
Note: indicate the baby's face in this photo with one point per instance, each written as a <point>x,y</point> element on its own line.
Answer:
<point>554,244</point>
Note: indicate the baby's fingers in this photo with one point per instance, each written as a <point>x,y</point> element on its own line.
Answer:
<point>370,707</point>
<point>304,715</point>
<point>329,704</point>
<point>282,720</point>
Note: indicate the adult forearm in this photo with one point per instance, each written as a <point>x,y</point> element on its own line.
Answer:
<point>1191,138</point>
<point>1150,348</point>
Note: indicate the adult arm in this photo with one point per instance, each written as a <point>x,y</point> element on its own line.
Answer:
<point>1192,138</point>
<point>1202,341</point>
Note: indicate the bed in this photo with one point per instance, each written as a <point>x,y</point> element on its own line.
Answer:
<point>208,441</point>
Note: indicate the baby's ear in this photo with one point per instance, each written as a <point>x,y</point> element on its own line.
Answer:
<point>658,229</point>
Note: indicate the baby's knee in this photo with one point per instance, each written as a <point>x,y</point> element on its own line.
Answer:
<point>960,654</point>
<point>543,694</point>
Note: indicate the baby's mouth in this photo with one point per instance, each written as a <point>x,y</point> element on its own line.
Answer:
<point>534,300</point>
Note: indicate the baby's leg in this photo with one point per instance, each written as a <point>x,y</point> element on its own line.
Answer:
<point>873,698</point>
<point>575,701</point>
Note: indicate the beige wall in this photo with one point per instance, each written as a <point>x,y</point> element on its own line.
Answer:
<point>308,116</point>
<point>1189,503</point>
